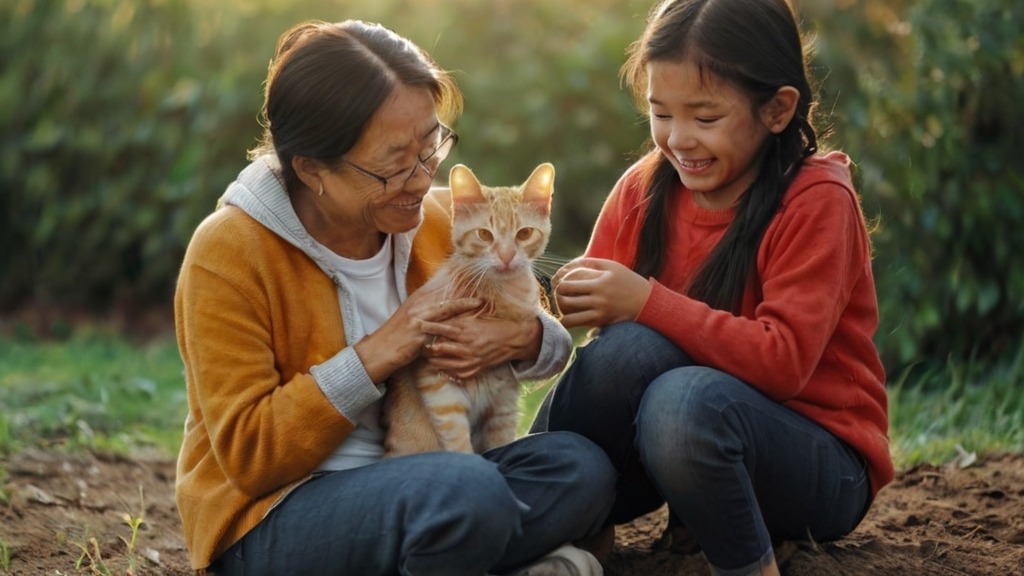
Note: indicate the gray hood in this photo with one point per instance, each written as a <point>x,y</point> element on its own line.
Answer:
<point>259,192</point>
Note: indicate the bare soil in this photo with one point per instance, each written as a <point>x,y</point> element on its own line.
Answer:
<point>932,520</point>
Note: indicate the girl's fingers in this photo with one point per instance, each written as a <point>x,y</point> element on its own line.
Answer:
<point>576,319</point>
<point>563,271</point>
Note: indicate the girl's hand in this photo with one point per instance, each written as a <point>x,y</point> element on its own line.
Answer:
<point>597,292</point>
<point>421,318</point>
<point>478,343</point>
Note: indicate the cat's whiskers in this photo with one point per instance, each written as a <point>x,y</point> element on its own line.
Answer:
<point>469,279</point>
<point>547,265</point>
<point>465,280</point>
<point>549,258</point>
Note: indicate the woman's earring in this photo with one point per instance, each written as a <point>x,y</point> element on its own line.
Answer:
<point>321,193</point>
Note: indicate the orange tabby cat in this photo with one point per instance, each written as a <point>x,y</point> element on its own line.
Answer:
<point>497,234</point>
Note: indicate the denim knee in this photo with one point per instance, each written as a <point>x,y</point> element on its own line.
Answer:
<point>588,467</point>
<point>616,366</point>
<point>569,465</point>
<point>469,496</point>
<point>629,348</point>
<point>680,420</point>
<point>568,484</point>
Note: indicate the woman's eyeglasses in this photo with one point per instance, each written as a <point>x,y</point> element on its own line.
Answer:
<point>428,161</point>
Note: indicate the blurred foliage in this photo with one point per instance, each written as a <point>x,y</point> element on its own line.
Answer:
<point>122,122</point>
<point>927,99</point>
<point>119,122</point>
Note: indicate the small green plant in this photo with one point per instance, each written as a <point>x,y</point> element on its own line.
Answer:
<point>134,521</point>
<point>5,498</point>
<point>6,442</point>
<point>5,556</point>
<point>90,558</point>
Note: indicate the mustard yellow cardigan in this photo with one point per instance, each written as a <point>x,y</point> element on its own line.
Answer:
<point>253,314</point>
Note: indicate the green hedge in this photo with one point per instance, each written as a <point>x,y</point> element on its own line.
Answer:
<point>122,122</point>
<point>929,99</point>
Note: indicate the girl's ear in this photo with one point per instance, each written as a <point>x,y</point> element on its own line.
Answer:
<point>779,111</point>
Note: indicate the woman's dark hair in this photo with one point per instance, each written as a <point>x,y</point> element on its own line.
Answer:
<point>328,79</point>
<point>756,46</point>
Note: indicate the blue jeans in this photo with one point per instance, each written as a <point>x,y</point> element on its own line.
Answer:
<point>738,469</point>
<point>437,513</point>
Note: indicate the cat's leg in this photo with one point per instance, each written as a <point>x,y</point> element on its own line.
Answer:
<point>447,405</point>
<point>409,429</point>
<point>500,421</point>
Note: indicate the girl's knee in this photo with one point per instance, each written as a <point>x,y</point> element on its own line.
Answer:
<point>695,391</point>
<point>620,362</point>
<point>632,342</point>
<point>682,408</point>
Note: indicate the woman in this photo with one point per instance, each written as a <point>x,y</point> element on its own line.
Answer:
<point>734,376</point>
<point>294,305</point>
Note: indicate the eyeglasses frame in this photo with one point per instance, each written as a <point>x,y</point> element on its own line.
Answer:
<point>420,162</point>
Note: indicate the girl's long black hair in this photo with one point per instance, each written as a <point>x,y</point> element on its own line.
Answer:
<point>755,45</point>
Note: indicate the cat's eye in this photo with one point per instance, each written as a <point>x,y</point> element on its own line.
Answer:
<point>524,234</point>
<point>484,234</point>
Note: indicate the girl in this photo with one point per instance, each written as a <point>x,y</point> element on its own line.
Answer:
<point>734,376</point>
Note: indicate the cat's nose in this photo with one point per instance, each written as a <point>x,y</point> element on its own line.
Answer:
<point>506,255</point>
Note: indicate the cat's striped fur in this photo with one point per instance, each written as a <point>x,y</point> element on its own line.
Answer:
<point>497,233</point>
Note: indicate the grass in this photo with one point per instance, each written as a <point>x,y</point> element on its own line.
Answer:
<point>957,411</point>
<point>94,390</point>
<point>99,391</point>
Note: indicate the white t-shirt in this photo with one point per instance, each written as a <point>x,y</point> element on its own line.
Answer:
<point>376,297</point>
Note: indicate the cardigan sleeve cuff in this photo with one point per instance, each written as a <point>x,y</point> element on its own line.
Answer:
<point>555,349</point>
<point>345,383</point>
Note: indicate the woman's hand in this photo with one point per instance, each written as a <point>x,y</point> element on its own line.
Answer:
<point>420,319</point>
<point>598,292</point>
<point>478,343</point>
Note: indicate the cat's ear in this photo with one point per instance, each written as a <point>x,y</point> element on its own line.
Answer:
<point>540,186</point>
<point>465,187</point>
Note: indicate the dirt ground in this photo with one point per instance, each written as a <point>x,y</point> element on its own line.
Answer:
<point>932,520</point>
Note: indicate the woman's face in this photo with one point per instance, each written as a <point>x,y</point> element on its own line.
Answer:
<point>402,130</point>
<point>709,129</point>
